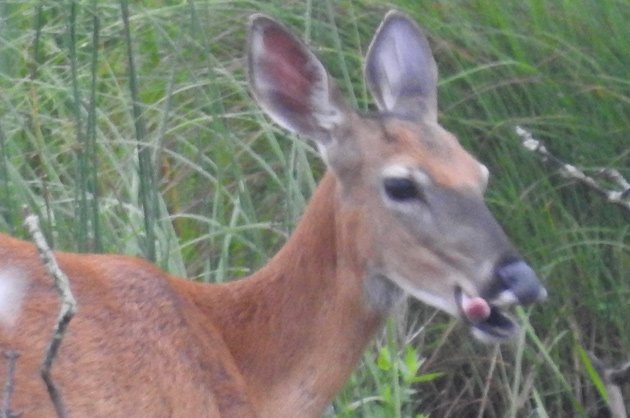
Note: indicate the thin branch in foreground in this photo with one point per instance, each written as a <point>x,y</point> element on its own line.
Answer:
<point>620,375</point>
<point>613,378</point>
<point>11,357</point>
<point>619,196</point>
<point>66,312</point>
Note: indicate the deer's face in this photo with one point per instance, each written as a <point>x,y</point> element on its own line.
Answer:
<point>427,229</point>
<point>415,193</point>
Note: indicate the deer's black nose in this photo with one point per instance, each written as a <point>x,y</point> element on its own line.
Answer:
<point>518,277</point>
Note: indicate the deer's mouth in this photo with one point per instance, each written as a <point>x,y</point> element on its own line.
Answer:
<point>488,321</point>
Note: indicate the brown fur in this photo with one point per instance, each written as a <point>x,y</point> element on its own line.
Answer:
<point>144,343</point>
<point>282,342</point>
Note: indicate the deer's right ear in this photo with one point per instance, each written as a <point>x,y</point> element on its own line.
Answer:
<point>290,83</point>
<point>400,69</point>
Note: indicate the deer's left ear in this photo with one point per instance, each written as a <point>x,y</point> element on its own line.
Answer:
<point>400,69</point>
<point>290,83</point>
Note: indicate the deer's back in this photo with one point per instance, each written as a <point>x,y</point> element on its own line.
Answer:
<point>136,346</point>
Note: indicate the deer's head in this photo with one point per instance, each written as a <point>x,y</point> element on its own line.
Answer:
<point>424,225</point>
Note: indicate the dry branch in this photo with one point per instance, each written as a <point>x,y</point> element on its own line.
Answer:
<point>11,357</point>
<point>66,311</point>
<point>620,195</point>
<point>613,378</point>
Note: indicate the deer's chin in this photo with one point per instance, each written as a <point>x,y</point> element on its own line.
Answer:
<point>489,322</point>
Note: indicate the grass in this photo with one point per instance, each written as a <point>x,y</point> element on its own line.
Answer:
<point>168,158</point>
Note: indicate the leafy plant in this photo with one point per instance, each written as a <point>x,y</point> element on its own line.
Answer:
<point>229,186</point>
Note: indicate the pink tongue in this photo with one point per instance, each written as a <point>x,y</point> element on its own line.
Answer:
<point>476,309</point>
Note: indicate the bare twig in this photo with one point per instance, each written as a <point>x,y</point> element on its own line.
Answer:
<point>6,412</point>
<point>620,375</point>
<point>613,378</point>
<point>620,195</point>
<point>66,311</point>
<point>486,386</point>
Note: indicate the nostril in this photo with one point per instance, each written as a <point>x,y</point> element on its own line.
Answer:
<point>522,281</point>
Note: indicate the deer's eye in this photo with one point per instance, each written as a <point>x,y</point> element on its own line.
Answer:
<point>401,189</point>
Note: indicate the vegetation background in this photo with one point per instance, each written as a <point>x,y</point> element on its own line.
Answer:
<point>128,128</point>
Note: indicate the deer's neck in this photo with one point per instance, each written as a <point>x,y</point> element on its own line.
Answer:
<point>298,326</point>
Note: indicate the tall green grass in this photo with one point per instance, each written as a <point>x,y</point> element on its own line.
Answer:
<point>137,135</point>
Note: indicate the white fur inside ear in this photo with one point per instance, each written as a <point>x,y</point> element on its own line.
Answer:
<point>13,285</point>
<point>327,115</point>
<point>329,118</point>
<point>323,152</point>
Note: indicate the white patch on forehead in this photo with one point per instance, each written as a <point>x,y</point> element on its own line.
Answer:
<point>12,289</point>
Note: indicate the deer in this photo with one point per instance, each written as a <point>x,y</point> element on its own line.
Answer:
<point>399,211</point>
